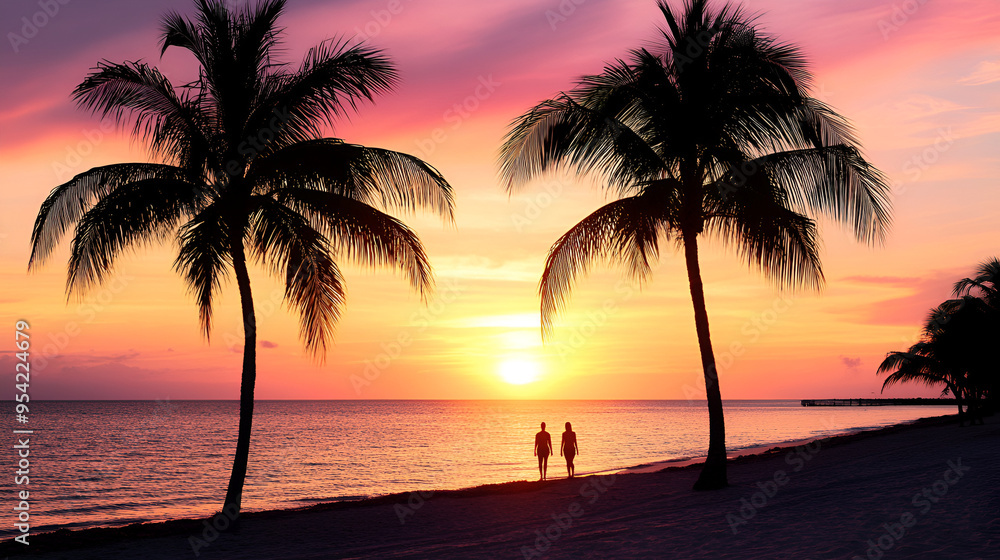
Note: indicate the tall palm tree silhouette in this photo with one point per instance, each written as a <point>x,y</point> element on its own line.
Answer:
<point>246,174</point>
<point>709,132</point>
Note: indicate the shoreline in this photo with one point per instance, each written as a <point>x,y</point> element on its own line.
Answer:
<point>68,539</point>
<point>766,448</point>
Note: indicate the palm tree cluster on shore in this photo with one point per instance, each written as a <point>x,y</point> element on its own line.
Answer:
<point>958,347</point>
<point>712,133</point>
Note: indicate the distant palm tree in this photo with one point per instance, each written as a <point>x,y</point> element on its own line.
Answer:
<point>981,295</point>
<point>958,350</point>
<point>927,361</point>
<point>709,132</point>
<point>246,174</point>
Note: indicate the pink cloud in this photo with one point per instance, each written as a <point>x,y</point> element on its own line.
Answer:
<point>911,309</point>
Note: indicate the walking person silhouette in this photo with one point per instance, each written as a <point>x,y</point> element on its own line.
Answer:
<point>543,447</point>
<point>569,449</point>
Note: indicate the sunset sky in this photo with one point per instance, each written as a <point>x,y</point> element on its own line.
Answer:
<point>920,80</point>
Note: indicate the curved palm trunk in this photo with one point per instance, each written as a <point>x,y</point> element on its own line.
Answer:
<point>713,474</point>
<point>234,495</point>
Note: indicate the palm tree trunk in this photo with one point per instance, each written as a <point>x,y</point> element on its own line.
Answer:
<point>958,400</point>
<point>234,495</point>
<point>713,474</point>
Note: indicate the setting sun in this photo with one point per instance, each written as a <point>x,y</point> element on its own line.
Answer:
<point>519,371</point>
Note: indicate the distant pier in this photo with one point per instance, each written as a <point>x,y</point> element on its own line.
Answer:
<point>877,402</point>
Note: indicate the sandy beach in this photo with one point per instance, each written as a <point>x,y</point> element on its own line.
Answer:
<point>926,490</point>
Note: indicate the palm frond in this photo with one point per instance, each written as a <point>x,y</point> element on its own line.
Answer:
<point>986,282</point>
<point>215,26</point>
<point>135,213</point>
<point>737,82</point>
<point>831,180</point>
<point>68,202</point>
<point>626,231</point>
<point>381,178</point>
<point>285,241</point>
<point>917,365</point>
<point>334,77</point>
<point>756,220</point>
<point>178,31</point>
<point>204,258</point>
<point>173,125</point>
<point>363,234</point>
<point>565,132</point>
<point>258,35</point>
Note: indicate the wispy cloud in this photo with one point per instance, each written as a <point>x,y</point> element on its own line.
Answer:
<point>894,280</point>
<point>986,72</point>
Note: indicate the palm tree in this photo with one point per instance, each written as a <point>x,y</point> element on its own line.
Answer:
<point>927,362</point>
<point>709,132</point>
<point>982,294</point>
<point>957,349</point>
<point>246,174</point>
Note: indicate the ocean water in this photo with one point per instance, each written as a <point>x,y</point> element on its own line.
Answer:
<point>110,463</point>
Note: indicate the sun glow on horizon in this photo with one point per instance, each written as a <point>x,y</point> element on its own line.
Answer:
<point>519,371</point>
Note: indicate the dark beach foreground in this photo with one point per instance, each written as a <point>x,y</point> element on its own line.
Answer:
<point>925,490</point>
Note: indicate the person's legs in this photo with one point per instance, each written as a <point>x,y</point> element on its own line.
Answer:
<point>570,469</point>
<point>545,466</point>
<point>541,473</point>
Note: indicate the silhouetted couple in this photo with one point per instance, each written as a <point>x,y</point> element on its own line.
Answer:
<point>568,449</point>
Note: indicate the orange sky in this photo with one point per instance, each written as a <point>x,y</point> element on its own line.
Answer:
<point>920,81</point>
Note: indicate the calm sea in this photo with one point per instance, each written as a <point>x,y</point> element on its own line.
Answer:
<point>112,463</point>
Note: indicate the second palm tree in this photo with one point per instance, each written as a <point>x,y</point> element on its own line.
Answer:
<point>711,132</point>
